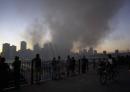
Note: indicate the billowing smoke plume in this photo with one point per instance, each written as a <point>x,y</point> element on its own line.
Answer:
<point>35,33</point>
<point>77,23</point>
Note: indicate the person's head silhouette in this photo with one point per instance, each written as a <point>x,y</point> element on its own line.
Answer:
<point>16,58</point>
<point>37,55</point>
<point>68,57</point>
<point>73,58</point>
<point>109,56</point>
<point>3,60</point>
<point>54,58</point>
<point>59,57</point>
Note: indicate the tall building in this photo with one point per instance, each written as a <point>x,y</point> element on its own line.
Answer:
<point>23,45</point>
<point>91,51</point>
<point>49,51</point>
<point>95,52</point>
<point>83,52</point>
<point>12,51</point>
<point>6,50</point>
<point>36,48</point>
<point>117,51</point>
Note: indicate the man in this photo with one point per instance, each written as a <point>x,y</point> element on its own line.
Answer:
<point>4,73</point>
<point>110,67</point>
<point>84,64</point>
<point>73,61</point>
<point>54,68</point>
<point>94,64</point>
<point>17,67</point>
<point>59,67</point>
<point>37,63</point>
<point>68,66</point>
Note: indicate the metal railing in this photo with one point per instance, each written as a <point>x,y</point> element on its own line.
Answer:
<point>28,73</point>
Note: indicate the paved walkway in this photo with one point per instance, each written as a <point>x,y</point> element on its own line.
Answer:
<point>82,83</point>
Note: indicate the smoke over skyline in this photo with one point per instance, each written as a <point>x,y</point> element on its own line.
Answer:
<point>75,24</point>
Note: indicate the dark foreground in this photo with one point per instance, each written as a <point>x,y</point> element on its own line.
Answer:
<point>82,83</point>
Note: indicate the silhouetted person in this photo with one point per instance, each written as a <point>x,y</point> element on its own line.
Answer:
<point>73,65</point>
<point>37,63</point>
<point>16,69</point>
<point>87,64</point>
<point>59,67</point>
<point>129,62</point>
<point>94,64</point>
<point>4,74</point>
<point>68,66</point>
<point>84,64</point>
<point>54,68</point>
<point>110,62</point>
<point>101,68</point>
<point>110,66</point>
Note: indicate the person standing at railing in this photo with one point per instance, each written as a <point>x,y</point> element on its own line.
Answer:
<point>79,64</point>
<point>54,68</point>
<point>37,62</point>
<point>110,66</point>
<point>4,73</point>
<point>16,69</point>
<point>59,68</point>
<point>68,66</point>
<point>84,64</point>
<point>94,64</point>
<point>129,62</point>
<point>73,66</point>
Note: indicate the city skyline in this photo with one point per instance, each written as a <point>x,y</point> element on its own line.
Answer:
<point>24,46</point>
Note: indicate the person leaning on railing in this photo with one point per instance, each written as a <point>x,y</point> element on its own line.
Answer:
<point>16,68</point>
<point>37,62</point>
<point>4,74</point>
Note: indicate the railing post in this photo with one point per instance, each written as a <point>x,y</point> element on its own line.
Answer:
<point>32,72</point>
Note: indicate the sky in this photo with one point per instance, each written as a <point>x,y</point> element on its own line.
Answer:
<point>119,38</point>
<point>16,16</point>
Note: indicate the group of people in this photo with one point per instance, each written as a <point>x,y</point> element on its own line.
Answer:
<point>7,74</point>
<point>56,68</point>
<point>68,68</point>
<point>60,68</point>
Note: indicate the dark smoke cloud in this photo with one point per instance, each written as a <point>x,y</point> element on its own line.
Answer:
<point>82,21</point>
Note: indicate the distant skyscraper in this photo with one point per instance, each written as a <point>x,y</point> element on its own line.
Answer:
<point>23,45</point>
<point>91,51</point>
<point>117,51</point>
<point>95,51</point>
<point>12,51</point>
<point>36,47</point>
<point>83,52</point>
<point>49,51</point>
<point>6,50</point>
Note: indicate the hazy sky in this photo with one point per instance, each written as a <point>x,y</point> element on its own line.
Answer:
<point>17,15</point>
